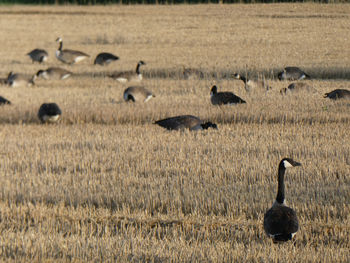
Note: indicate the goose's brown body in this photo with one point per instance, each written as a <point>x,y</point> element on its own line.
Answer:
<point>129,76</point>
<point>221,98</point>
<point>137,94</point>
<point>185,122</point>
<point>69,56</point>
<point>54,73</point>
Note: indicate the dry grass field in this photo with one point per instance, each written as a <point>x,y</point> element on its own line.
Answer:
<point>105,184</point>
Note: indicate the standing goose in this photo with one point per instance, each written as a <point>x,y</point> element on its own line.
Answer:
<point>38,55</point>
<point>4,101</point>
<point>53,73</point>
<point>19,80</point>
<point>185,122</point>
<point>49,113</point>
<point>128,76</point>
<point>220,98</point>
<point>105,58</point>
<point>297,87</point>
<point>137,94</point>
<point>69,56</point>
<point>280,221</point>
<point>292,73</point>
<point>252,84</point>
<point>338,94</point>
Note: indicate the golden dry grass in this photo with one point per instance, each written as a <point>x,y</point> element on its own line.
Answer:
<point>105,184</point>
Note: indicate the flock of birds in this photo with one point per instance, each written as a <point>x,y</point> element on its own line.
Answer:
<point>50,112</point>
<point>280,221</point>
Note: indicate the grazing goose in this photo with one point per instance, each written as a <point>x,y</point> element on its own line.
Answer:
<point>53,73</point>
<point>338,94</point>
<point>128,76</point>
<point>252,84</point>
<point>292,73</point>
<point>49,113</point>
<point>297,87</point>
<point>105,58</point>
<point>185,122</point>
<point>4,101</point>
<point>38,55</point>
<point>137,94</point>
<point>220,98</point>
<point>69,56</point>
<point>19,80</point>
<point>280,221</point>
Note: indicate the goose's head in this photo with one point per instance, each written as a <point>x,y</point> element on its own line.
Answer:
<point>288,162</point>
<point>39,73</point>
<point>209,124</point>
<point>59,40</point>
<point>130,98</point>
<point>236,76</point>
<point>281,75</point>
<point>213,90</point>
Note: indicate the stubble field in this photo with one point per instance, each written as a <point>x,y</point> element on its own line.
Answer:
<point>105,184</point>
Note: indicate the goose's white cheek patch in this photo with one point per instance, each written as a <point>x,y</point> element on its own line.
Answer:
<point>287,164</point>
<point>148,98</point>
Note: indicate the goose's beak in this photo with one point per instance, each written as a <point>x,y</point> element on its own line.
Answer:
<point>296,164</point>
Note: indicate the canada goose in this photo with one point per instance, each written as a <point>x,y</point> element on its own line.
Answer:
<point>53,73</point>
<point>297,87</point>
<point>220,98</point>
<point>49,113</point>
<point>19,80</point>
<point>338,94</point>
<point>105,58</point>
<point>292,73</point>
<point>127,76</point>
<point>4,101</point>
<point>280,221</point>
<point>137,94</point>
<point>252,84</point>
<point>185,122</point>
<point>69,56</point>
<point>38,55</point>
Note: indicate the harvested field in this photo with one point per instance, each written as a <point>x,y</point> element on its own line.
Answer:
<point>105,184</point>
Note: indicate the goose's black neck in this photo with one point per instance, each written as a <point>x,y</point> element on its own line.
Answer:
<point>60,46</point>
<point>138,68</point>
<point>243,79</point>
<point>280,191</point>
